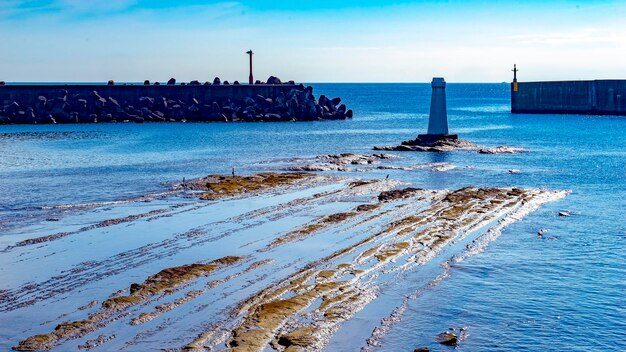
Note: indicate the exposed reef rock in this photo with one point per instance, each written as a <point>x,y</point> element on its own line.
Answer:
<point>273,293</point>
<point>398,194</point>
<point>172,103</point>
<point>440,145</point>
<point>340,162</point>
<point>215,187</point>
<point>161,282</point>
<point>446,145</point>
<point>447,338</point>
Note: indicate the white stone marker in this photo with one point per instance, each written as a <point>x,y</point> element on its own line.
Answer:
<point>438,120</point>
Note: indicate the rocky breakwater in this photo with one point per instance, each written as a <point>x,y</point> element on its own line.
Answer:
<point>171,102</point>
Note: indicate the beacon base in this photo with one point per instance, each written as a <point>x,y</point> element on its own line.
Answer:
<point>431,138</point>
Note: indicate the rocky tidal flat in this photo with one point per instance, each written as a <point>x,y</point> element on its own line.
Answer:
<point>246,263</point>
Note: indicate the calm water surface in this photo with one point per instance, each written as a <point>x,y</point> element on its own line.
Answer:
<point>562,292</point>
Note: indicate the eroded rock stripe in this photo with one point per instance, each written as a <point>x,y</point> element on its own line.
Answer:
<point>276,316</point>
<point>162,282</point>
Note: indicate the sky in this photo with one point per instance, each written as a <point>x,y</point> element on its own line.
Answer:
<point>311,40</point>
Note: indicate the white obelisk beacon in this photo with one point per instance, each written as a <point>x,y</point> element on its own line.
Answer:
<point>438,121</point>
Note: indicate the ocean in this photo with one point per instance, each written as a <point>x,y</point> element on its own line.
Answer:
<point>563,291</point>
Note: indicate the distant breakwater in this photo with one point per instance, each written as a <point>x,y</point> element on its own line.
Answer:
<point>171,102</point>
<point>598,97</point>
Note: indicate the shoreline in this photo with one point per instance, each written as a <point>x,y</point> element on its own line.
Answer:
<point>393,213</point>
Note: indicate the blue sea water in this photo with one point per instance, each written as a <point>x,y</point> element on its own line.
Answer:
<point>563,292</point>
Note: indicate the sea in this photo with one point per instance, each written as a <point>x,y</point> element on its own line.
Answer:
<point>562,291</point>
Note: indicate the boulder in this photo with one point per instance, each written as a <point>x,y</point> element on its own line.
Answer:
<point>422,349</point>
<point>336,101</point>
<point>113,103</point>
<point>207,83</point>
<point>160,103</point>
<point>193,108</point>
<point>146,83</point>
<point>194,83</point>
<point>249,101</point>
<point>110,83</point>
<point>2,83</point>
<point>30,114</point>
<point>272,117</point>
<point>215,109</point>
<point>95,99</point>
<point>236,83</point>
<point>73,117</point>
<point>58,106</point>
<point>226,83</point>
<point>146,102</point>
<point>81,105</point>
<point>42,100</point>
<point>349,113</point>
<point>310,110</point>
<point>322,100</point>
<point>157,83</point>
<point>249,114</point>
<point>447,338</point>
<point>216,81</point>
<point>228,111</point>
<point>273,80</point>
<point>171,82</point>
<point>12,108</point>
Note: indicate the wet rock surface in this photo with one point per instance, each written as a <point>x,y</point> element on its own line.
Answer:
<point>165,280</point>
<point>447,145</point>
<point>447,338</point>
<point>215,187</point>
<point>398,194</point>
<point>340,162</point>
<point>368,229</point>
<point>438,146</point>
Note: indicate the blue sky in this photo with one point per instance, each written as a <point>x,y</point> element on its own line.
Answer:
<point>311,41</point>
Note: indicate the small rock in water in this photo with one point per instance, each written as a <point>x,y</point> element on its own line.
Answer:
<point>501,150</point>
<point>421,349</point>
<point>565,213</point>
<point>515,171</point>
<point>52,219</point>
<point>447,338</point>
<point>542,232</point>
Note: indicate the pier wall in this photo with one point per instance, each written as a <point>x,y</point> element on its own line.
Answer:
<point>130,94</point>
<point>599,97</point>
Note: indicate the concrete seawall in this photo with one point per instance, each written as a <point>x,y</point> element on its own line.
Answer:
<point>28,94</point>
<point>114,103</point>
<point>599,97</point>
